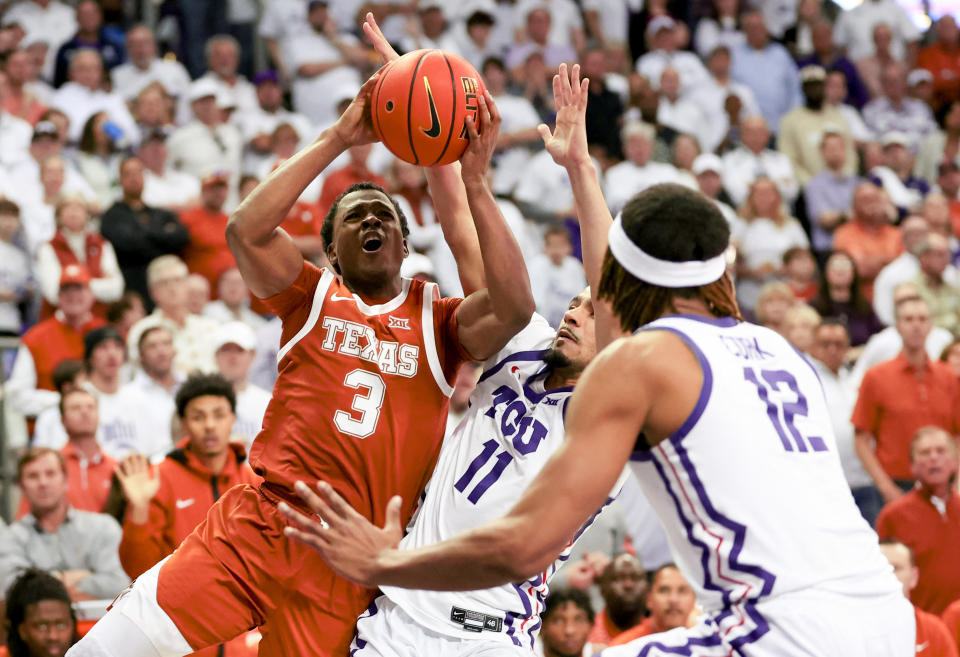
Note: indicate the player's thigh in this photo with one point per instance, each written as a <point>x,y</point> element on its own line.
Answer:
<point>226,576</point>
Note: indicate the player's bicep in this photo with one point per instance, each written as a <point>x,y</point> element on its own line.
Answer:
<point>481,332</point>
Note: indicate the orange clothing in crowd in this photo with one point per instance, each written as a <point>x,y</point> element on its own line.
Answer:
<point>187,491</point>
<point>893,404</point>
<point>933,637</point>
<point>89,480</point>
<point>951,618</point>
<point>207,253</point>
<point>916,520</point>
<point>340,180</point>
<point>866,245</point>
<point>638,632</point>
<point>945,67</point>
<point>604,630</point>
<point>26,106</point>
<point>52,341</point>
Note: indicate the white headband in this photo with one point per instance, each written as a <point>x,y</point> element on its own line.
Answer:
<point>692,273</point>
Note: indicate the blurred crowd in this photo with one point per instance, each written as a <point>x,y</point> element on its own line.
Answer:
<point>828,136</point>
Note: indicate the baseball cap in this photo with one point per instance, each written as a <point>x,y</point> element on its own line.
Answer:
<point>202,88</point>
<point>96,337</point>
<point>226,99</point>
<point>74,275</point>
<point>918,75</point>
<point>268,75</point>
<point>45,129</point>
<point>218,176</point>
<point>236,333</point>
<point>316,3</point>
<point>660,23</point>
<point>895,137</point>
<point>813,73</point>
<point>707,162</point>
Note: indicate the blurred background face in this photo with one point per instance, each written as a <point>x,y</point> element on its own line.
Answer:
<point>9,225</point>
<point>557,247</point>
<point>495,78</point>
<point>233,362</point>
<point>764,197</point>
<point>43,483</point>
<point>86,69</point>
<point>207,421</point>
<point>52,173</point>
<point>538,25</point>
<point>835,90</point>
<point>710,183</point>
<point>638,149</point>
<point>223,58</point>
<point>839,271</point>
<point>231,289</point>
<point>685,151</point>
<point>882,38</point>
<point>566,630</point>
<point>131,178</point>
<point>80,414</point>
<point>157,352</point>
<point>73,216</point>
<point>623,585</point>
<point>935,258</point>
<point>153,154</point>
<point>754,134</point>
<point>197,293</point>
<point>47,628</point>
<point>107,358</point>
<point>89,16</point>
<point>671,600</point>
<point>719,64</point>
<point>206,110</point>
<point>19,67</point>
<point>899,557</point>
<point>934,459</point>
<point>152,107</point>
<point>270,96</point>
<point>169,290</point>
<point>953,359</point>
<point>75,300</point>
<point>830,345</point>
<point>913,324</point>
<point>892,82</point>
<point>755,30</point>
<point>141,46</point>
<point>214,196</point>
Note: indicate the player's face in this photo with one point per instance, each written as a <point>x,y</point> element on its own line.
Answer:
<point>670,600</point>
<point>368,242</point>
<point>576,342</point>
<point>47,628</point>
<point>934,459</point>
<point>207,421</point>
<point>566,630</point>
<point>43,483</point>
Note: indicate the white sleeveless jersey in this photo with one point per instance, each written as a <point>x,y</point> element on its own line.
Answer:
<point>750,489</point>
<point>513,426</point>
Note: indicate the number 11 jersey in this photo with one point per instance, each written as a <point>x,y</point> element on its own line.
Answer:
<point>362,394</point>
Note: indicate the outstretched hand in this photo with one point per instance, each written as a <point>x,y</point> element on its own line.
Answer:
<point>483,138</point>
<point>348,542</point>
<point>355,125</point>
<point>567,144</point>
<point>380,43</point>
<point>138,479</point>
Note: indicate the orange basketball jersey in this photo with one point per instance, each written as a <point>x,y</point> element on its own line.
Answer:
<point>361,400</point>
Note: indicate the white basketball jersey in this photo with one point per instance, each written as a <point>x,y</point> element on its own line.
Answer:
<point>513,426</point>
<point>750,489</point>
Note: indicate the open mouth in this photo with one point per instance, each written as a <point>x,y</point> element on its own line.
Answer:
<point>565,333</point>
<point>372,244</point>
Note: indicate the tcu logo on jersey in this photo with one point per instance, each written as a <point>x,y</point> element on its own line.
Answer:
<point>359,340</point>
<point>511,412</point>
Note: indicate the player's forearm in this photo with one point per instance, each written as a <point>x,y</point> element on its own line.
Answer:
<point>508,284</point>
<point>594,218</point>
<point>864,446</point>
<point>453,211</point>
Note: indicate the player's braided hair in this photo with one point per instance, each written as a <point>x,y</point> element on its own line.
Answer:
<point>671,223</point>
<point>29,588</point>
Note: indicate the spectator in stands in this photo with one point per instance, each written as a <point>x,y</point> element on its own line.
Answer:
<point>355,171</point>
<point>321,63</point>
<point>940,146</point>
<point>68,375</point>
<point>257,125</point>
<point>39,224</point>
<point>799,324</point>
<point>920,86</point>
<point>139,233</point>
<point>164,186</point>
<point>98,157</point>
<point>40,621</point>
<point>90,35</point>
<point>472,37</point>
<point>198,293</point>
<point>154,387</point>
<point>894,111</point>
<point>623,585</point>
<point>942,59</point>
<point>775,299</point>
<point>89,469</point>
<point>206,143</point>
<point>49,21</point>
<point>79,545</point>
<point>567,617</point>
<point>12,128</point>
<point>813,118</point>
<point>682,114</point>
<point>933,637</point>
<point>869,237</point>
<point>826,55</point>
<point>19,99</point>
<point>828,194</point>
<point>753,160</point>
<point>841,296</point>
<point>191,333</point>
<point>951,356</point>
<point>927,518</point>
<point>662,34</point>
<point>223,59</point>
<point>936,211</point>
<point>896,177</point>
<point>16,282</point>
<point>767,68</point>
<point>720,27</point>
<point>899,396</point>
<point>145,67</point>
<point>905,267</point>
<point>153,109</point>
<point>25,180</point>
<point>126,312</point>
<point>233,301</point>
<point>207,253</point>
<point>855,30</point>
<point>430,29</point>
<point>604,106</point>
<point>204,464</point>
<point>800,272</point>
<point>556,275</point>
<point>279,24</point>
<point>871,67</point>
<point>670,601</point>
<point>724,101</point>
<point>835,92</point>
<point>121,427</point>
<point>767,233</point>
<point>638,172</point>
<point>538,38</point>
<point>234,346</point>
<point>83,96</point>
<point>30,387</point>
<point>77,242</point>
<point>708,169</point>
<point>942,297</point>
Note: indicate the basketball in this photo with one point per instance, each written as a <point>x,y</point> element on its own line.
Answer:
<point>420,103</point>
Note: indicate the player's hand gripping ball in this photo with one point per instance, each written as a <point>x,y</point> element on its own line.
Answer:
<point>419,105</point>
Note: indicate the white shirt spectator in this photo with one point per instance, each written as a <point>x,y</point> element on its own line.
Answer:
<point>251,405</point>
<point>712,33</point>
<point>258,122</point>
<point>903,269</point>
<point>21,388</point>
<point>218,311</point>
<point>528,237</point>
<point>779,15</point>
<point>912,118</point>
<point>192,341</point>
<point>263,372</point>
<point>762,242</point>
<point>710,97</point>
<point>841,396</point>
<point>854,28</point>
<point>518,114</point>
<point>196,149</point>
<point>317,97</point>
<point>691,69</point>
<point>128,80</point>
<point>156,407</point>
<point>468,49</point>
<point>107,288</point>
<point>688,117</point>
<point>54,25</point>
<point>172,189</point>
<point>283,20</point>
<point>625,180</point>
<point>48,430</point>
<point>858,129</point>
<point>243,93</point>
<point>14,277</point>
<point>886,344</point>
<point>564,19</point>
<point>25,187</point>
<point>39,225</point>
<point>614,18</point>
<point>555,285</point>
<point>15,135</point>
<point>80,103</point>
<point>742,166</point>
<point>119,430</point>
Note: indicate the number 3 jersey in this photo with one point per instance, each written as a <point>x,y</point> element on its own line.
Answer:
<point>750,490</point>
<point>513,426</point>
<point>362,394</point>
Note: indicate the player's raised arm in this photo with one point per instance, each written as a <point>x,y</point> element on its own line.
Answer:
<point>266,255</point>
<point>488,318</point>
<point>567,144</point>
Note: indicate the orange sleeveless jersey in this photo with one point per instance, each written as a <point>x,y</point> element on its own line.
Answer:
<point>361,399</point>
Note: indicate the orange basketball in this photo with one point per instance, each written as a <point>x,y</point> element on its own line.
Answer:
<point>419,105</point>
